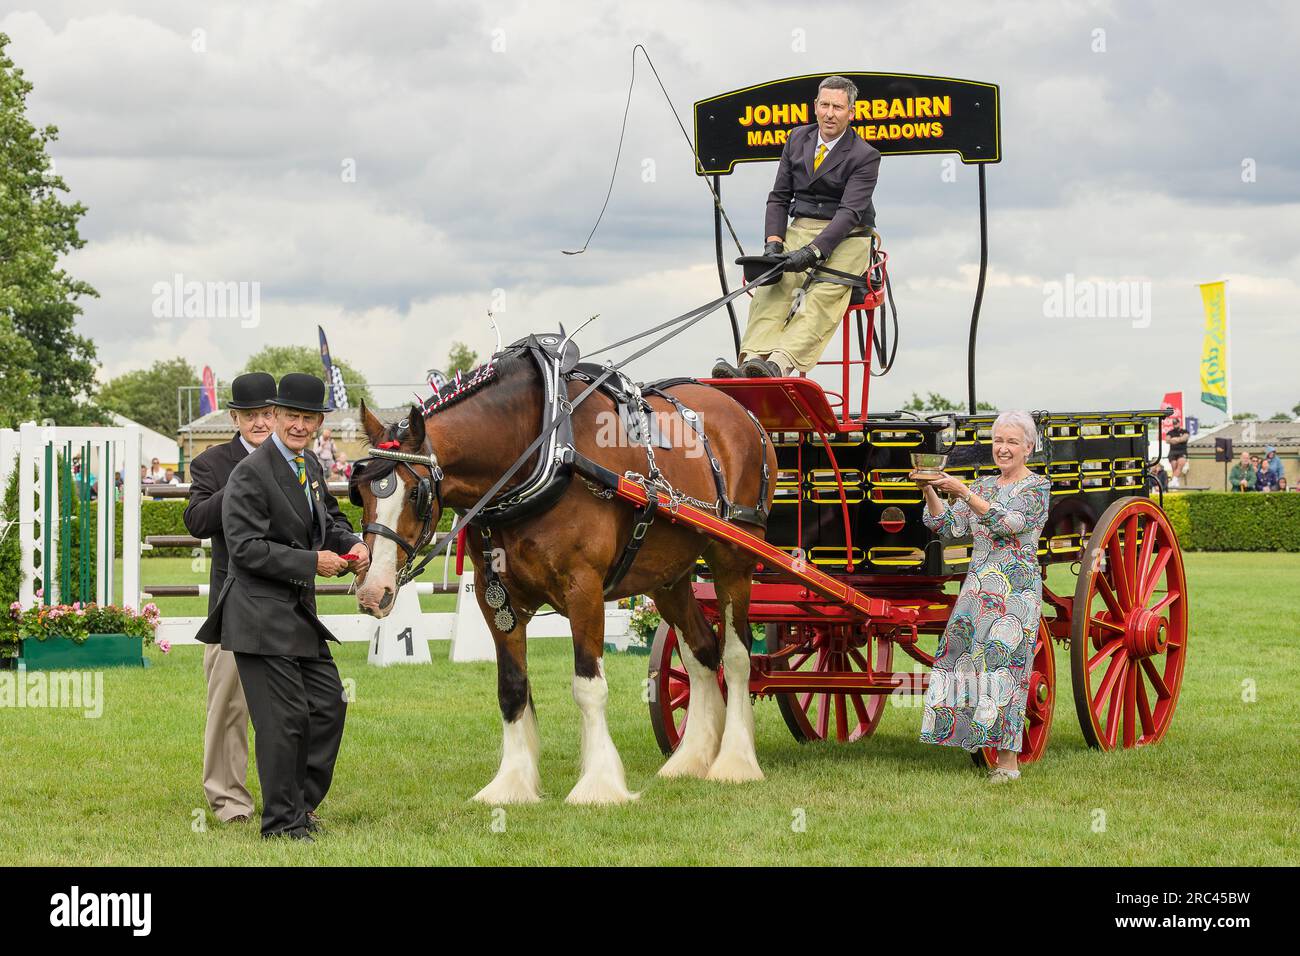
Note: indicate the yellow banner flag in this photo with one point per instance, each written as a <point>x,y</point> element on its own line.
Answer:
<point>1214,351</point>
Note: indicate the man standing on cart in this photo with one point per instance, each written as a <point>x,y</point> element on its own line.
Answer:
<point>824,185</point>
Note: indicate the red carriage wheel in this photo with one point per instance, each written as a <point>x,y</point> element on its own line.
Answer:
<point>670,689</point>
<point>1128,638</point>
<point>1038,708</point>
<point>826,715</point>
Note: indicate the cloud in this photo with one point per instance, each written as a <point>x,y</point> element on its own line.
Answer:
<point>482,139</point>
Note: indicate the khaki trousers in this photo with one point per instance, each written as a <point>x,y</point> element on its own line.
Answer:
<point>225,737</point>
<point>805,336</point>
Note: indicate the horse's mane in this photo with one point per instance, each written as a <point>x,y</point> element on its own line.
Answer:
<point>500,365</point>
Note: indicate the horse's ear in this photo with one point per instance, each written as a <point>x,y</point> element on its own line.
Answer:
<point>373,426</point>
<point>415,423</point>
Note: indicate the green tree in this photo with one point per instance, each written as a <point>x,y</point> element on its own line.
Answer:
<point>17,381</point>
<point>460,359</point>
<point>280,359</point>
<point>1295,410</point>
<point>38,299</point>
<point>1280,417</point>
<point>148,396</point>
<point>934,402</point>
<point>1245,417</point>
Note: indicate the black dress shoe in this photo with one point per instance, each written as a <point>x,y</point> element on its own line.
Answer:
<point>297,833</point>
<point>724,369</point>
<point>760,368</point>
<point>314,824</point>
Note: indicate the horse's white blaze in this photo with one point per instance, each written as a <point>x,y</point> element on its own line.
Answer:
<point>602,779</point>
<point>382,572</point>
<point>699,747</point>
<point>518,780</point>
<point>737,760</point>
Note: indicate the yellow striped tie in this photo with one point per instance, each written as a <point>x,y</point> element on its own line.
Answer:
<point>821,154</point>
<point>300,463</point>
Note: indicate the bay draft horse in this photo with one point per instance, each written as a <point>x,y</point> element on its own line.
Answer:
<point>562,555</point>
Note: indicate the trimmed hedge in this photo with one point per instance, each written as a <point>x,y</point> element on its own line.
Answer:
<point>1228,521</point>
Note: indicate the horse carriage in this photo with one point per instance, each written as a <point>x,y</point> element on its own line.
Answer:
<point>799,515</point>
<point>845,506</point>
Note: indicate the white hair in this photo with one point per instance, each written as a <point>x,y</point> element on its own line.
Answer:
<point>1022,420</point>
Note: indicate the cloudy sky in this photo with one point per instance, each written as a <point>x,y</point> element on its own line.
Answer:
<point>382,169</point>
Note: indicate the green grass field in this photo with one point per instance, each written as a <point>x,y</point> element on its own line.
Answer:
<point>1221,789</point>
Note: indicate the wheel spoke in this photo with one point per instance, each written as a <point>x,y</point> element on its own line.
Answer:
<point>1106,651</point>
<point>823,715</point>
<point>678,701</point>
<point>678,674</point>
<point>1130,705</point>
<point>861,661</point>
<point>1113,673</point>
<point>1149,537</point>
<point>1108,625</point>
<point>1130,552</point>
<point>1157,681</point>
<point>799,660</point>
<point>1165,601</point>
<point>1144,709</point>
<point>1109,597</point>
<point>1152,577</point>
<point>841,718</point>
<point>1115,565</point>
<point>1114,715</point>
<point>805,700</point>
<point>860,706</point>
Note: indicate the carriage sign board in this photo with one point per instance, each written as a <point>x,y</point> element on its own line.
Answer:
<point>897,113</point>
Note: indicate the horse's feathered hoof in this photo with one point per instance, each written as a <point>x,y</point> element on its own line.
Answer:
<point>510,788</point>
<point>683,764</point>
<point>600,791</point>
<point>734,768</point>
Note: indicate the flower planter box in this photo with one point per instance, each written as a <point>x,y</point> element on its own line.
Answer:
<point>99,650</point>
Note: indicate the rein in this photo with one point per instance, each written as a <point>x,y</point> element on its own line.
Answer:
<point>430,460</point>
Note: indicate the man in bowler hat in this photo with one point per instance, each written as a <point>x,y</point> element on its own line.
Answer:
<point>282,528</point>
<point>225,734</point>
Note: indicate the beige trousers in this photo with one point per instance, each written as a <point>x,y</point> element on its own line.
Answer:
<point>225,737</point>
<point>805,336</point>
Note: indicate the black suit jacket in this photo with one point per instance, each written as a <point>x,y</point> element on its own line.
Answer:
<point>209,473</point>
<point>268,603</point>
<point>840,190</point>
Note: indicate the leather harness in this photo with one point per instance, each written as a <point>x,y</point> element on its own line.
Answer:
<point>556,358</point>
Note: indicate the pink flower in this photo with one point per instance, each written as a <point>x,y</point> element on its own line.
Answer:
<point>165,645</point>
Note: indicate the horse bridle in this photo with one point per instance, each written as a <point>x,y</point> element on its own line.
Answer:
<point>426,492</point>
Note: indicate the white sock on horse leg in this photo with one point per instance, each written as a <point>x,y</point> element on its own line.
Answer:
<point>518,779</point>
<point>737,759</point>
<point>706,716</point>
<point>602,779</point>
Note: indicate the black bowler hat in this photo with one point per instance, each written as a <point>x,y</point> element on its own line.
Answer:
<point>254,390</point>
<point>306,393</point>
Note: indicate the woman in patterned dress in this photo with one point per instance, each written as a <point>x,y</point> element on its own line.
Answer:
<point>980,680</point>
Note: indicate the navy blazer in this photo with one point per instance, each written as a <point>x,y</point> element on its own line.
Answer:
<point>839,191</point>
